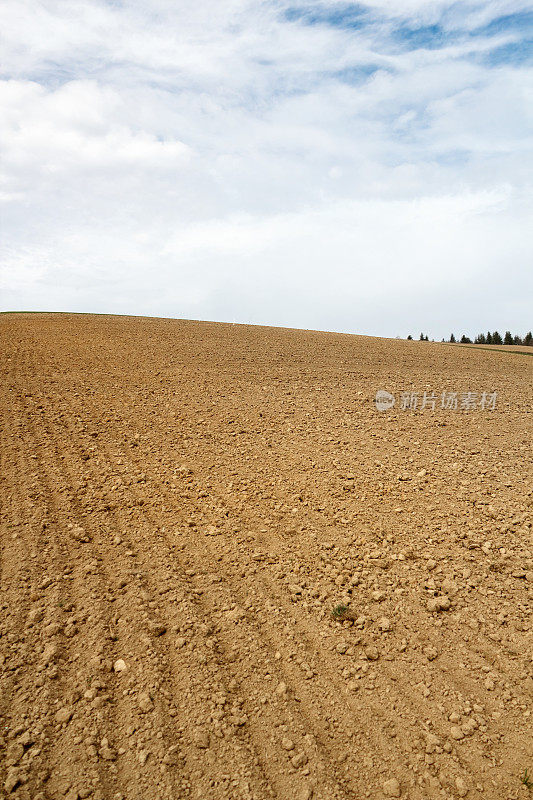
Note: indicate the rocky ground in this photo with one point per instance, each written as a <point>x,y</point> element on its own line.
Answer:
<point>184,504</point>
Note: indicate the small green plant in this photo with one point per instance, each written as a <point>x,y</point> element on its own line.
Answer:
<point>526,780</point>
<point>339,611</point>
<point>342,613</point>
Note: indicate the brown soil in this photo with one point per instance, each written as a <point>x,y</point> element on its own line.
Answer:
<point>183,506</point>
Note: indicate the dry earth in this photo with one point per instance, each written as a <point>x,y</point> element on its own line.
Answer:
<point>183,505</point>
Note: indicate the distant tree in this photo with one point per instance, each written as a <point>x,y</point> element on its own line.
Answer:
<point>528,339</point>
<point>517,340</point>
<point>480,339</point>
<point>496,338</point>
<point>452,339</point>
<point>465,340</point>
<point>410,338</point>
<point>489,338</point>
<point>427,338</point>
<point>421,337</point>
<point>508,338</point>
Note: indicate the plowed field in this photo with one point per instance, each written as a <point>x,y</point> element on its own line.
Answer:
<point>184,504</point>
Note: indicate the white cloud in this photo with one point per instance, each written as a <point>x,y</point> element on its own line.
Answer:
<point>218,160</point>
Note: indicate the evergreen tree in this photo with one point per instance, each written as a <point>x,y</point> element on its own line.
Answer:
<point>410,338</point>
<point>490,338</point>
<point>421,337</point>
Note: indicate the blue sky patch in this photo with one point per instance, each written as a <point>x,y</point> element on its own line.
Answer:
<point>521,22</point>
<point>357,74</point>
<point>428,37</point>
<point>514,53</point>
<point>350,16</point>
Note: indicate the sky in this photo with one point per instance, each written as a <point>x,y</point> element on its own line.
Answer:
<point>359,167</point>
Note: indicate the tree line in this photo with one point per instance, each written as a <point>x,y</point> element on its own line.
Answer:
<point>487,338</point>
